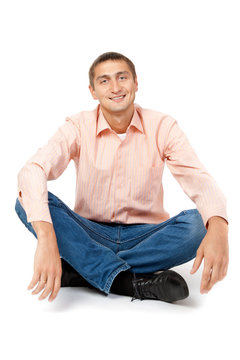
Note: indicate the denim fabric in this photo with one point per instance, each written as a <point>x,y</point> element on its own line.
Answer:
<point>100,250</point>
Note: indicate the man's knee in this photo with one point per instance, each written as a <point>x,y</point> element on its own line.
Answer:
<point>191,225</point>
<point>196,226</point>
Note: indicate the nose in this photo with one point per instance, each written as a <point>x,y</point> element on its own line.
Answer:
<point>115,87</point>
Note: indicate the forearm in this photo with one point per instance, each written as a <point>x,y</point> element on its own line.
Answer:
<point>45,232</point>
<point>47,262</point>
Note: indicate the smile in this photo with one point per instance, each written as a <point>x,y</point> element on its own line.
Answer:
<point>118,98</point>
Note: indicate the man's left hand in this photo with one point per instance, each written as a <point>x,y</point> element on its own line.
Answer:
<point>214,250</point>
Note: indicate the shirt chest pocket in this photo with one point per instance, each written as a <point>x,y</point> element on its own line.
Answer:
<point>145,184</point>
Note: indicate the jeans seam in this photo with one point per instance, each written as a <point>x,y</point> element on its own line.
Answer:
<point>71,213</point>
<point>173,219</point>
<point>109,282</point>
<point>160,225</point>
<point>150,232</point>
<point>89,281</point>
<point>82,224</point>
<point>183,261</point>
<point>122,266</point>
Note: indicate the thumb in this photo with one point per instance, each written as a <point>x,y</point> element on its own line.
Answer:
<point>197,262</point>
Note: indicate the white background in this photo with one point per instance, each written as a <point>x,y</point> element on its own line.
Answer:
<point>187,60</point>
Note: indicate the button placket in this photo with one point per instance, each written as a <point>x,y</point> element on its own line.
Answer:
<point>119,181</point>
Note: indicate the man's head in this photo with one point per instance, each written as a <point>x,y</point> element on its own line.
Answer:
<point>112,75</point>
<point>106,57</point>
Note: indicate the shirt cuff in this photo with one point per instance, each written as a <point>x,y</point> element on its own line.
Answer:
<point>207,215</point>
<point>35,210</point>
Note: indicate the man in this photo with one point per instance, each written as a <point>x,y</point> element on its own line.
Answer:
<point>119,238</point>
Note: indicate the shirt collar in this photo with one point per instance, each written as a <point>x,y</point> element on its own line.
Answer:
<point>102,123</point>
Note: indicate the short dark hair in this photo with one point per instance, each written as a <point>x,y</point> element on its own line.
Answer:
<point>110,56</point>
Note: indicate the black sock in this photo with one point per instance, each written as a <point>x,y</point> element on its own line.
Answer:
<point>122,284</point>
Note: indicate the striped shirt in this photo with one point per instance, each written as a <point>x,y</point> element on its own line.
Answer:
<point>119,176</point>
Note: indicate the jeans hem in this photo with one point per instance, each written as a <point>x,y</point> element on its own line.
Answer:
<point>113,275</point>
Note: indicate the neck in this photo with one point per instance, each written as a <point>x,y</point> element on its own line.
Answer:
<point>119,122</point>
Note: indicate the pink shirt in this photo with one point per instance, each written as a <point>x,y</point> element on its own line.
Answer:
<point>119,180</point>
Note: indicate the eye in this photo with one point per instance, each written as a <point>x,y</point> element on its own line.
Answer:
<point>103,81</point>
<point>123,77</point>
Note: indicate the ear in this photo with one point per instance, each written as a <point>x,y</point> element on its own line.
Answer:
<point>92,92</point>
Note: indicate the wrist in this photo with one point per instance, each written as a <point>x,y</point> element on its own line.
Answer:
<point>44,230</point>
<point>217,222</point>
<point>48,243</point>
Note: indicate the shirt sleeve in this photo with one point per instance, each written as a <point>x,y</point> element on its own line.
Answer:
<point>48,163</point>
<point>191,174</point>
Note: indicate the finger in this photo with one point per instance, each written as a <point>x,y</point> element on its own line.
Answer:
<point>214,277</point>
<point>48,288</point>
<point>197,262</point>
<point>34,281</point>
<point>41,286</point>
<point>223,272</point>
<point>206,275</point>
<point>57,285</point>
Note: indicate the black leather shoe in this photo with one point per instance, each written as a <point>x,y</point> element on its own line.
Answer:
<point>166,286</point>
<point>70,277</point>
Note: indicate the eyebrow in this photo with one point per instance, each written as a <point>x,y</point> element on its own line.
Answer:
<point>107,76</point>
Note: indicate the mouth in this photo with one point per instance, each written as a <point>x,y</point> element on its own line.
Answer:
<point>117,98</point>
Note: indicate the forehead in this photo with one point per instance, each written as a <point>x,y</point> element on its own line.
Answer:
<point>110,67</point>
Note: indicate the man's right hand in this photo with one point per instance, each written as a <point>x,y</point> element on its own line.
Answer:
<point>47,262</point>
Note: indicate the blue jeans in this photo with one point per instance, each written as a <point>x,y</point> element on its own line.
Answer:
<point>100,250</point>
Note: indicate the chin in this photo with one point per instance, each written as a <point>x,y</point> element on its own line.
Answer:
<point>120,107</point>
<point>117,107</point>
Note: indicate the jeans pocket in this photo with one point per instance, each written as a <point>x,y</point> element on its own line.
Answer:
<point>187,216</point>
<point>181,216</point>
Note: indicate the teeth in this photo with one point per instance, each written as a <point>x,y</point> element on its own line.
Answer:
<point>119,97</point>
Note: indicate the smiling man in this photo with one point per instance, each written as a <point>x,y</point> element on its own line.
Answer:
<point>115,90</point>
<point>119,238</point>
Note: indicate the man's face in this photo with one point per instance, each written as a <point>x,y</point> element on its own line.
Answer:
<point>114,79</point>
